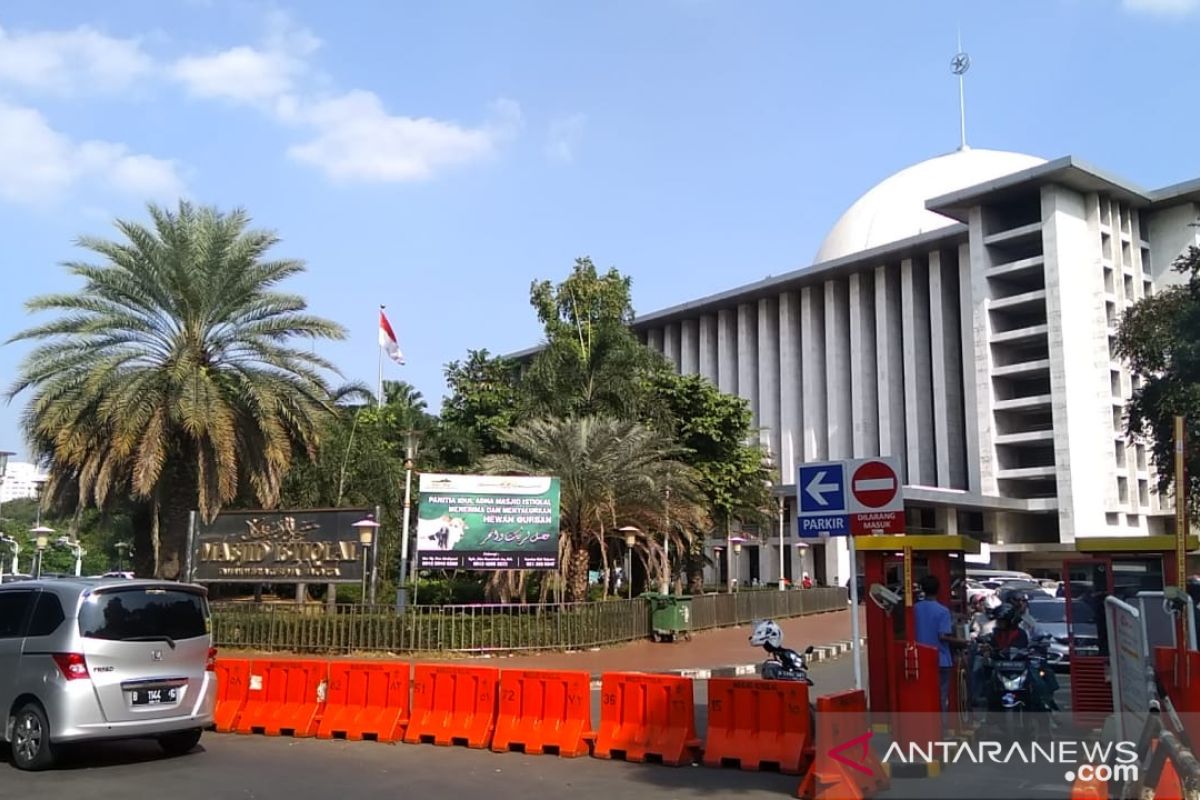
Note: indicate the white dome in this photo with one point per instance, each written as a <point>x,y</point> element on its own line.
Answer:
<point>895,209</point>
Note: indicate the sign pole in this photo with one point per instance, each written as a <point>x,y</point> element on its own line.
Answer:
<point>855,635</point>
<point>1181,527</point>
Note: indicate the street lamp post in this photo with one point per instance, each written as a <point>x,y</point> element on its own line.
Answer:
<point>76,550</point>
<point>631,533</point>
<point>410,442</point>
<point>41,540</point>
<point>366,535</point>
<point>15,546</point>
<point>122,548</point>
<point>666,581</point>
<point>4,454</point>
<point>733,548</point>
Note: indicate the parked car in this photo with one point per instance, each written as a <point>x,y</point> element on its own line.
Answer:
<point>1031,589</point>
<point>88,659</point>
<point>1050,613</point>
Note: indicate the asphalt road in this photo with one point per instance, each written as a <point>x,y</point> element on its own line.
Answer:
<point>265,768</point>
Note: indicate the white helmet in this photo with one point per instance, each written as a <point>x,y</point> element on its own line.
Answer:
<point>767,632</point>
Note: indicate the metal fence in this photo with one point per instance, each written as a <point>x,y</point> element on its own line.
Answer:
<point>489,628</point>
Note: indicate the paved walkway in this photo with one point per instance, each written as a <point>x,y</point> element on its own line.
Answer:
<point>707,650</point>
<point>725,647</point>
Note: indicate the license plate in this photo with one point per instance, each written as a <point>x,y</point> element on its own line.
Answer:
<point>155,697</point>
<point>1011,665</point>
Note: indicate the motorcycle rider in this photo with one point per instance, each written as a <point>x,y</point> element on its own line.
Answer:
<point>1010,633</point>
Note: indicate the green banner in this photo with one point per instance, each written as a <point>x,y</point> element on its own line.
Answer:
<point>487,522</point>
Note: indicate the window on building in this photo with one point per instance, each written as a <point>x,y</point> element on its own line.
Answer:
<point>1122,490</point>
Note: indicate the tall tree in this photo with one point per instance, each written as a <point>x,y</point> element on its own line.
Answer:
<point>592,363</point>
<point>481,406</point>
<point>715,430</point>
<point>177,374</point>
<point>611,473</point>
<point>1159,337</point>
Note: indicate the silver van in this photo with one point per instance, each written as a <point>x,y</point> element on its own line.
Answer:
<point>83,659</point>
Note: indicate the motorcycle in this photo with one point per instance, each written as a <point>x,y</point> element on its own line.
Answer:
<point>784,663</point>
<point>1020,685</point>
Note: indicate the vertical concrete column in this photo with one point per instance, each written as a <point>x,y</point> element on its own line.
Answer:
<point>768,369</point>
<point>727,350</point>
<point>985,421</point>
<point>972,408</point>
<point>1079,371</point>
<point>944,326</point>
<point>690,359</point>
<point>864,388</point>
<point>889,365</point>
<point>918,383</point>
<point>708,347</point>
<point>812,338</point>
<point>747,356</point>
<point>789,384</point>
<point>671,345</point>
<point>946,520</point>
<point>654,339</point>
<point>837,369</point>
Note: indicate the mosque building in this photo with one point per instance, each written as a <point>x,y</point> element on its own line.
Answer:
<point>961,316</point>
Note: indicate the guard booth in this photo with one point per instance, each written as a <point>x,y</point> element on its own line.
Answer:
<point>1121,566</point>
<point>894,664</point>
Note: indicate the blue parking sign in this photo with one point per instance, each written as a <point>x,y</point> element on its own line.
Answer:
<point>822,489</point>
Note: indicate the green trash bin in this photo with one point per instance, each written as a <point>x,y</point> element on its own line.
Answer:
<point>670,616</point>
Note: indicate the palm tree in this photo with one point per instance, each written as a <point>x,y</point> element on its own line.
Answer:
<point>611,473</point>
<point>174,375</point>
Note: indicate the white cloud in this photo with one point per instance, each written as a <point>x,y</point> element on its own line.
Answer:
<point>1179,7</point>
<point>242,74</point>
<point>358,140</point>
<point>563,138</point>
<point>68,62</point>
<point>38,163</point>
<point>256,75</point>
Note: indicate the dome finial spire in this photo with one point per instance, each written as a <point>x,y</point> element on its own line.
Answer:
<point>959,66</point>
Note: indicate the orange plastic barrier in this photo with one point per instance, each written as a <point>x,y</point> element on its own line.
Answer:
<point>1094,789</point>
<point>284,698</point>
<point>647,718</point>
<point>453,705</point>
<point>844,767</point>
<point>544,711</point>
<point>233,683</point>
<point>366,700</point>
<point>752,723</point>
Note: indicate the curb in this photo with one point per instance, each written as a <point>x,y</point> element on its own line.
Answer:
<point>820,653</point>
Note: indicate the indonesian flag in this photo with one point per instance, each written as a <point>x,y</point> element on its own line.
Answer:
<point>387,339</point>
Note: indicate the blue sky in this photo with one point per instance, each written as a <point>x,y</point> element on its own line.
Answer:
<point>437,157</point>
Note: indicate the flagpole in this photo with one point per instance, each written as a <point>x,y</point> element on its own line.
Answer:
<point>379,384</point>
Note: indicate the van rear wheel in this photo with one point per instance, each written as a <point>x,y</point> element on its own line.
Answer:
<point>31,747</point>
<point>177,744</point>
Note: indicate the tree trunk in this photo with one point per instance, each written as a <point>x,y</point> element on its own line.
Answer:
<point>142,558</point>
<point>694,565</point>
<point>178,500</point>
<point>577,573</point>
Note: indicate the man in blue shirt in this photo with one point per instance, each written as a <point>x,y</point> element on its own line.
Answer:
<point>936,629</point>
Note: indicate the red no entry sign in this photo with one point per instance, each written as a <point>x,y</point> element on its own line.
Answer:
<point>874,484</point>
